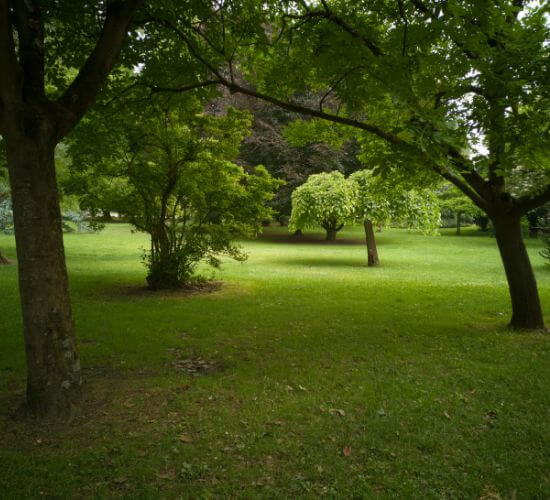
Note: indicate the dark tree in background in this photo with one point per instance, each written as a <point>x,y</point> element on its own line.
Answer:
<point>268,146</point>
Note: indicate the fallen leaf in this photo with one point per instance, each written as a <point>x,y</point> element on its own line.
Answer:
<point>382,412</point>
<point>347,451</point>
<point>302,388</point>
<point>169,475</point>
<point>337,411</point>
<point>447,415</point>
<point>185,438</point>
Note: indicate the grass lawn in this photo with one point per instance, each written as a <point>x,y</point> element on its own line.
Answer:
<point>322,377</point>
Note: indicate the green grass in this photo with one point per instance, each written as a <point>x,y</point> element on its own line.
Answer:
<point>408,368</point>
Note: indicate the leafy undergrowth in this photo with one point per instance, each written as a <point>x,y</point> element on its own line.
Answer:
<point>305,374</point>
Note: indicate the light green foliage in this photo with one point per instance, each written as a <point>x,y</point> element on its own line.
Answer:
<point>381,201</point>
<point>454,204</point>
<point>325,200</point>
<point>450,198</point>
<point>176,181</point>
<point>460,88</point>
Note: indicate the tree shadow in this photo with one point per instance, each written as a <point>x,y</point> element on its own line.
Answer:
<point>319,239</point>
<point>313,262</point>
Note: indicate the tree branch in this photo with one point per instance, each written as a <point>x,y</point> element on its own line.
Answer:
<point>84,89</point>
<point>527,203</point>
<point>30,32</point>
<point>330,16</point>
<point>10,72</point>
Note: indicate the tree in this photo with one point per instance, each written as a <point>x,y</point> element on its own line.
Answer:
<point>284,158</point>
<point>176,182</point>
<point>453,201</point>
<point>536,219</point>
<point>379,201</point>
<point>32,122</point>
<point>324,200</point>
<point>459,88</point>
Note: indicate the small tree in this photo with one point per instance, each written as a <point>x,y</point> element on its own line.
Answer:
<point>325,200</point>
<point>378,201</point>
<point>177,183</point>
<point>454,201</point>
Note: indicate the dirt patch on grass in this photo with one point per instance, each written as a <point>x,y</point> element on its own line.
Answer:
<point>183,291</point>
<point>109,405</point>
<point>193,365</point>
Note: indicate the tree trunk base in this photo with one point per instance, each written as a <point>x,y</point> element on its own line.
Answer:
<point>372,251</point>
<point>4,261</point>
<point>526,308</point>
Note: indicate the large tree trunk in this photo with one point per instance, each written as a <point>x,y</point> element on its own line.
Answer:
<point>53,381</point>
<point>372,251</point>
<point>526,308</point>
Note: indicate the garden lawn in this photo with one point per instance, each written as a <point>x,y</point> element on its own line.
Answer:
<point>322,376</point>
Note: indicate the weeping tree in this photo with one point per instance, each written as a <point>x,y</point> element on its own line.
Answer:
<point>378,201</point>
<point>325,200</point>
<point>176,181</point>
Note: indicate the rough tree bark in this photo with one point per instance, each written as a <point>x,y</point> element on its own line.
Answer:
<point>526,308</point>
<point>32,125</point>
<point>54,381</point>
<point>372,251</point>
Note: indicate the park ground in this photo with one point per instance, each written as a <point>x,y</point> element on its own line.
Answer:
<point>303,374</point>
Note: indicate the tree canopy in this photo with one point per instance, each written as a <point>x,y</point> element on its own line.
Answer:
<point>176,180</point>
<point>325,200</point>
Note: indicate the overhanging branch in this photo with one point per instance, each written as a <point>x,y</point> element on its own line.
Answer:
<point>83,91</point>
<point>527,203</point>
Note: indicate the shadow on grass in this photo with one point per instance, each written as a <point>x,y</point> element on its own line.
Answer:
<point>319,239</point>
<point>141,291</point>
<point>324,262</point>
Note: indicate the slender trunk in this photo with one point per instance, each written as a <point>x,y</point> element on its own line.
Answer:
<point>298,232</point>
<point>458,221</point>
<point>331,234</point>
<point>526,308</point>
<point>53,366</point>
<point>372,251</point>
<point>3,260</point>
<point>106,216</point>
